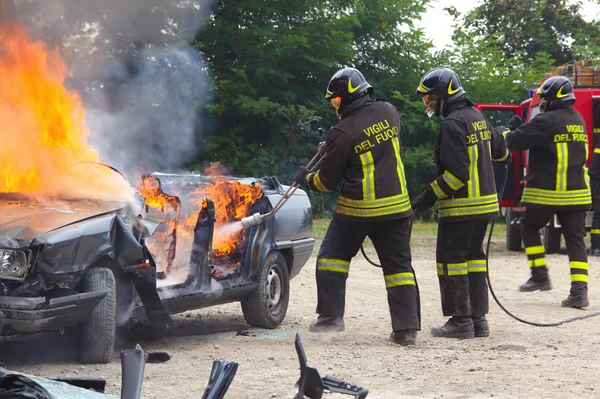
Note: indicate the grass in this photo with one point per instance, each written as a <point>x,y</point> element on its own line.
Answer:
<point>421,228</point>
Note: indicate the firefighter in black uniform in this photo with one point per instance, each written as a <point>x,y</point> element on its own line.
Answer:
<point>464,149</point>
<point>557,183</point>
<point>363,150</point>
<point>595,182</point>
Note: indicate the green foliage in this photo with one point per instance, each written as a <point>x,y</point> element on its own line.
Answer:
<point>528,27</point>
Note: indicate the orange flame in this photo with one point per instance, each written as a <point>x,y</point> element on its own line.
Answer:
<point>44,139</point>
<point>232,201</point>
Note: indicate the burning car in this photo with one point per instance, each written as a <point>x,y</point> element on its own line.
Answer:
<point>82,250</point>
<point>96,265</point>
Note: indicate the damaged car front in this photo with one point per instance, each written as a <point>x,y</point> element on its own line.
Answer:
<point>62,263</point>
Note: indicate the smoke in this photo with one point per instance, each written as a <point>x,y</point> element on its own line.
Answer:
<point>142,84</point>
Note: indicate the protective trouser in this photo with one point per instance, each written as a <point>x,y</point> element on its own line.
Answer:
<point>391,240</point>
<point>573,229</point>
<point>595,185</point>
<point>461,268</point>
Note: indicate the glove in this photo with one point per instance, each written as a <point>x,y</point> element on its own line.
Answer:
<point>424,201</point>
<point>514,122</point>
<point>300,177</point>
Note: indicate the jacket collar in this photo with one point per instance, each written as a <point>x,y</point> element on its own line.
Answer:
<point>355,106</point>
<point>458,104</point>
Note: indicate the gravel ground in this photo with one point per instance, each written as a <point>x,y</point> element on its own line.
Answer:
<point>517,360</point>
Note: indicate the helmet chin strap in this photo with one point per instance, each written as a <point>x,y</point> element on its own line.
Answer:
<point>439,107</point>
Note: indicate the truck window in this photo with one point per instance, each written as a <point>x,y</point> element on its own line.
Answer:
<point>534,111</point>
<point>525,113</point>
<point>596,107</point>
<point>498,117</point>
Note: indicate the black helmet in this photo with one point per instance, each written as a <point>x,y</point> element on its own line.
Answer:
<point>442,82</point>
<point>557,89</point>
<point>348,84</point>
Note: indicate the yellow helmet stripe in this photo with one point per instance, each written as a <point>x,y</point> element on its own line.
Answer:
<point>450,91</point>
<point>422,88</point>
<point>350,88</point>
<point>560,94</point>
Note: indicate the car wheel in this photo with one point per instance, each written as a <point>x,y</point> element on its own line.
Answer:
<point>513,231</point>
<point>551,236</point>
<point>267,305</point>
<point>97,333</point>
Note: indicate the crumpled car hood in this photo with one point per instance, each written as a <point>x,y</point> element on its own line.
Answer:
<point>24,220</point>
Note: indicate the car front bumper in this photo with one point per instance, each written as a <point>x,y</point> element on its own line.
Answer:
<point>23,315</point>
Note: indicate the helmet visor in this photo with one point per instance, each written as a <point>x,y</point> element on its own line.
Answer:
<point>430,101</point>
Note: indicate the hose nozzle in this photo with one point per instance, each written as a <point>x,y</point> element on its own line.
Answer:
<point>252,220</point>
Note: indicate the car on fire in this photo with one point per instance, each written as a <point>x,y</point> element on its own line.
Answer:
<point>91,266</point>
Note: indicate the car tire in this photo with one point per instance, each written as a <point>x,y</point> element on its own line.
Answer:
<point>551,237</point>
<point>513,231</point>
<point>97,333</point>
<point>267,305</point>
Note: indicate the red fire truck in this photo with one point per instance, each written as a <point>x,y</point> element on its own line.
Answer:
<point>586,81</point>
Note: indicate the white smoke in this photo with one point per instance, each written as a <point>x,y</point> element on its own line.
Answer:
<point>142,85</point>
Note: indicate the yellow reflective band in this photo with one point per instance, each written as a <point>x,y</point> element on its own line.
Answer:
<point>452,181</point>
<point>437,190</point>
<point>318,184</point>
<point>595,231</point>
<point>394,280</point>
<point>368,169</point>
<point>333,265</point>
<point>597,150</point>
<point>578,265</point>
<point>538,262</point>
<point>562,155</point>
<point>504,157</point>
<point>477,266</point>
<point>399,164</point>
<point>372,212</point>
<point>579,278</point>
<point>378,203</point>
<point>537,250</point>
<point>454,269</point>
<point>473,172</point>
<point>557,194</point>
<point>505,133</point>
<point>464,202</point>
<point>534,199</point>
<point>468,211</point>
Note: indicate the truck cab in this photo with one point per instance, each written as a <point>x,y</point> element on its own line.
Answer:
<point>586,86</point>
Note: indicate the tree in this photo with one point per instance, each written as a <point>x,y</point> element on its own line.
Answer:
<point>529,27</point>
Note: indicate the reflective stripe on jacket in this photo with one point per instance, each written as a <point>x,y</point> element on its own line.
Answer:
<point>558,150</point>
<point>465,147</point>
<point>364,151</point>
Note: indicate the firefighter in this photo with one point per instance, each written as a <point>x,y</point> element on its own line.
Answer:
<point>464,149</point>
<point>557,184</point>
<point>363,150</point>
<point>595,184</point>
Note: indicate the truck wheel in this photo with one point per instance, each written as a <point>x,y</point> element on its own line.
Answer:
<point>513,231</point>
<point>97,333</point>
<point>551,239</point>
<point>267,305</point>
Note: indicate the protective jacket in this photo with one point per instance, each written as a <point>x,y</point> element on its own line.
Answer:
<point>558,150</point>
<point>464,149</point>
<point>364,150</point>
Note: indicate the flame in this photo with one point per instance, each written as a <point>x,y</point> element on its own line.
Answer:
<point>44,138</point>
<point>232,201</point>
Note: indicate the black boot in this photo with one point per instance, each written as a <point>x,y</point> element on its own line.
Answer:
<point>578,297</point>
<point>534,284</point>
<point>455,327</point>
<point>480,326</point>
<point>404,337</point>
<point>327,324</point>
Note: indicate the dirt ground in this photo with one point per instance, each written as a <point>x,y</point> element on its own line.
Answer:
<point>517,360</point>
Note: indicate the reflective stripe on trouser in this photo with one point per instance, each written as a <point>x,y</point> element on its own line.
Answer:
<point>595,233</point>
<point>579,272</point>
<point>572,228</point>
<point>461,268</point>
<point>391,240</point>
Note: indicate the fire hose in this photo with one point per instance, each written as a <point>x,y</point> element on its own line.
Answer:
<point>257,218</point>
<point>487,260</point>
